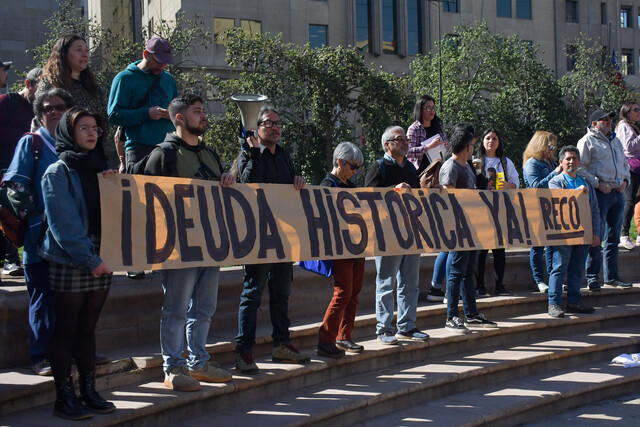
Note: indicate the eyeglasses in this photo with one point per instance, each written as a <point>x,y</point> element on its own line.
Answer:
<point>353,167</point>
<point>552,147</point>
<point>400,140</point>
<point>61,108</point>
<point>428,108</point>
<point>87,130</point>
<point>271,123</point>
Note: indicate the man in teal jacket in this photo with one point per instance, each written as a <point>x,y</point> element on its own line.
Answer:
<point>138,103</point>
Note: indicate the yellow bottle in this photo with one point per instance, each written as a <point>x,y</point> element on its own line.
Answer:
<point>499,180</point>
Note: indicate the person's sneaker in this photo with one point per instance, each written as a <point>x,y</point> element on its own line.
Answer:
<point>387,338</point>
<point>286,353</point>
<point>594,286</point>
<point>617,283</point>
<point>245,364</point>
<point>42,368</point>
<point>481,291</point>
<point>543,287</point>
<point>413,335</point>
<point>179,379</point>
<point>501,291</point>
<point>480,320</point>
<point>456,324</point>
<point>12,269</point>
<point>349,346</point>
<point>638,241</point>
<point>327,349</point>
<point>435,295</point>
<point>210,373</point>
<point>555,311</point>
<point>625,242</point>
<point>579,308</point>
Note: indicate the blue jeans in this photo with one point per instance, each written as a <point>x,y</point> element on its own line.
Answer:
<point>439,270</point>
<point>537,257</point>
<point>567,260</point>
<point>41,312</point>
<point>461,267</point>
<point>279,277</point>
<point>190,298</point>
<point>611,208</point>
<point>405,270</point>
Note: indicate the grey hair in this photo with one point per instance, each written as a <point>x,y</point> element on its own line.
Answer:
<point>264,110</point>
<point>388,133</point>
<point>38,103</point>
<point>349,152</point>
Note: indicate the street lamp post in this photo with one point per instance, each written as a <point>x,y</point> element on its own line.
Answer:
<point>438,2</point>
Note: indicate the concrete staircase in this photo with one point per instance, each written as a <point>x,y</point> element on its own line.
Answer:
<point>532,366</point>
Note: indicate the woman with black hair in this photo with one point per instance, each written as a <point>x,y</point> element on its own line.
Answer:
<point>427,124</point>
<point>79,279</point>
<point>491,153</point>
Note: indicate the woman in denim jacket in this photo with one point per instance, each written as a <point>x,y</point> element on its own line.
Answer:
<point>79,279</point>
<point>539,166</point>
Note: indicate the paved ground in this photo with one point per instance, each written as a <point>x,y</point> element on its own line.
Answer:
<point>623,411</point>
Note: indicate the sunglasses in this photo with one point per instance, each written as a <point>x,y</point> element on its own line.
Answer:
<point>353,167</point>
<point>61,108</point>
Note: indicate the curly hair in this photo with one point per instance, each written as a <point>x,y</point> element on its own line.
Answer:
<point>538,145</point>
<point>57,69</point>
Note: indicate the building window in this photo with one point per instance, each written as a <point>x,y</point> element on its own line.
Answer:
<point>363,19</point>
<point>414,31</point>
<point>389,26</point>
<point>251,27</point>
<point>625,17</point>
<point>570,51</point>
<point>451,40</point>
<point>450,6</point>
<point>572,11</point>
<point>523,9</point>
<point>626,62</point>
<point>220,26</point>
<point>603,14</point>
<point>503,8</point>
<point>317,36</point>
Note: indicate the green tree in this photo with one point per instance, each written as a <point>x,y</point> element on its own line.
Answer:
<point>493,80</point>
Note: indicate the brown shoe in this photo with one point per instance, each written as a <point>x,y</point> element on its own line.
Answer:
<point>179,379</point>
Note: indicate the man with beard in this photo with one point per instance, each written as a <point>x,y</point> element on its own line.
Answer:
<point>190,294</point>
<point>394,170</point>
<point>263,160</point>
<point>138,103</point>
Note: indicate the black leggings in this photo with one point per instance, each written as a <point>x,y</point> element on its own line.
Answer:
<point>630,202</point>
<point>499,264</point>
<point>77,314</point>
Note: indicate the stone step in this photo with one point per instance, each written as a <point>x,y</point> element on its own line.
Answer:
<point>148,402</point>
<point>131,316</point>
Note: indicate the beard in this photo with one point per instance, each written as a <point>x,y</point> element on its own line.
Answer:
<point>196,130</point>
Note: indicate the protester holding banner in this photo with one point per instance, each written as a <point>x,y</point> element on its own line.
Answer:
<point>394,170</point>
<point>79,278</point>
<point>190,294</point>
<point>427,126</point>
<point>263,160</point>
<point>570,260</point>
<point>461,265</point>
<point>628,132</point>
<point>491,153</point>
<point>604,164</point>
<point>337,325</point>
<point>538,168</point>
<point>24,176</point>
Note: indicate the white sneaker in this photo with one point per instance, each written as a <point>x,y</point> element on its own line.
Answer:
<point>638,241</point>
<point>543,287</point>
<point>625,242</point>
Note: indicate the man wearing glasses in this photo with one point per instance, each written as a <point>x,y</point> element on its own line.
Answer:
<point>263,160</point>
<point>604,164</point>
<point>394,170</point>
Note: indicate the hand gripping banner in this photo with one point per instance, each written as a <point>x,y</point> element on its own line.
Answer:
<point>157,222</point>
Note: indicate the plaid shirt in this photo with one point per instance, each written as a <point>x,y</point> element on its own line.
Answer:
<point>416,134</point>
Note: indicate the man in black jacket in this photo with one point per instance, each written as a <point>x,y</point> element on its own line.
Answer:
<point>190,294</point>
<point>263,160</point>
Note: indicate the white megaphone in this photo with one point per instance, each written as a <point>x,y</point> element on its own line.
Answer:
<point>249,105</point>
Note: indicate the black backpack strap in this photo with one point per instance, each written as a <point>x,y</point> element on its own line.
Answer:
<point>503,162</point>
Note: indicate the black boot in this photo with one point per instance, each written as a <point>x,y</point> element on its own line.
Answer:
<point>90,396</point>
<point>328,349</point>
<point>67,404</point>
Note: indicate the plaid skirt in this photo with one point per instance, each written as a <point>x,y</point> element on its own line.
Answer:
<point>66,278</point>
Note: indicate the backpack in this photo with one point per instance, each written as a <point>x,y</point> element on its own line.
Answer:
<point>17,208</point>
<point>430,176</point>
